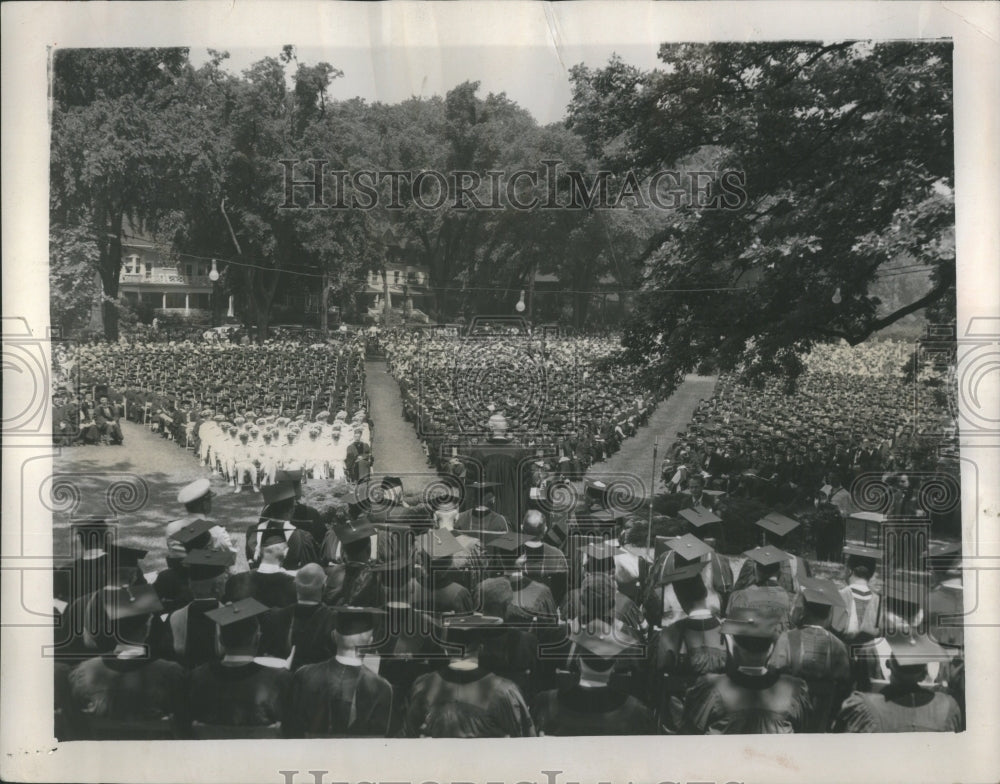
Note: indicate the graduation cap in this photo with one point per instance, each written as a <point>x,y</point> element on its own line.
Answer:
<point>131,601</point>
<point>699,518</point>
<point>439,544</point>
<point>686,572</point>
<point>509,542</point>
<point>689,547</point>
<point>470,627</point>
<point>194,536</point>
<point>603,550</point>
<point>777,524</point>
<point>124,556</point>
<point>273,532</point>
<point>206,564</point>
<point>243,610</point>
<point>767,556</point>
<point>282,491</point>
<point>482,487</point>
<point>601,640</point>
<point>355,531</point>
<point>751,622</point>
<point>601,517</point>
<point>356,620</point>
<point>818,591</point>
<point>915,650</point>
<point>286,475</point>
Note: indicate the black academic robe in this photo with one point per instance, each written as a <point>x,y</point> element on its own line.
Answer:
<point>450,597</point>
<point>482,519</point>
<point>899,708</point>
<point>822,661</point>
<point>451,703</point>
<point>105,690</point>
<point>274,589</point>
<point>306,627</point>
<point>331,699</point>
<point>302,547</point>
<point>791,570</point>
<point>737,703</point>
<point>171,586</point>
<point>245,694</point>
<point>353,582</point>
<point>579,711</point>
<point>194,636</point>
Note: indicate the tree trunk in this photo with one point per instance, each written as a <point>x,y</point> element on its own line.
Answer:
<point>386,296</point>
<point>111,264</point>
<point>324,320</point>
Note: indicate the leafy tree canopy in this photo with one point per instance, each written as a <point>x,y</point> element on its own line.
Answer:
<point>845,155</point>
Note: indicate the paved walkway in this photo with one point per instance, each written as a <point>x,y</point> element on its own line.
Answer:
<point>395,445</point>
<point>139,482</point>
<point>671,415</point>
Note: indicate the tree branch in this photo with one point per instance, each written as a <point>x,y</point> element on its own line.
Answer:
<point>930,297</point>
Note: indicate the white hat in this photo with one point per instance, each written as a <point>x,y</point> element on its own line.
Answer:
<point>192,492</point>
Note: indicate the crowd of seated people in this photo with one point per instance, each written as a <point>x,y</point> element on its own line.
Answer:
<point>280,394</point>
<point>411,617</point>
<point>550,391</point>
<point>852,414</point>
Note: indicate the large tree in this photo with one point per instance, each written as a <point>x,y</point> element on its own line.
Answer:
<point>112,140</point>
<point>845,156</point>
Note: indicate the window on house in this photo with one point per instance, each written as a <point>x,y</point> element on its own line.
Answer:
<point>395,277</point>
<point>189,270</point>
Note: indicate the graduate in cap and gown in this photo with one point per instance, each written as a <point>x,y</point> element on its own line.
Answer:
<point>811,651</point>
<point>123,571</point>
<point>482,517</point>
<point>239,690</point>
<point>341,697</point>
<point>661,603</point>
<point>750,697</point>
<point>766,595</point>
<point>127,693</point>
<point>194,637</point>
<point>905,704</point>
<point>268,583</point>
<point>777,529</point>
<point>442,592</point>
<point>463,699</point>
<point>353,581</point>
<point>592,705</point>
<point>693,644</point>
<point>280,506</point>
<point>703,530</point>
